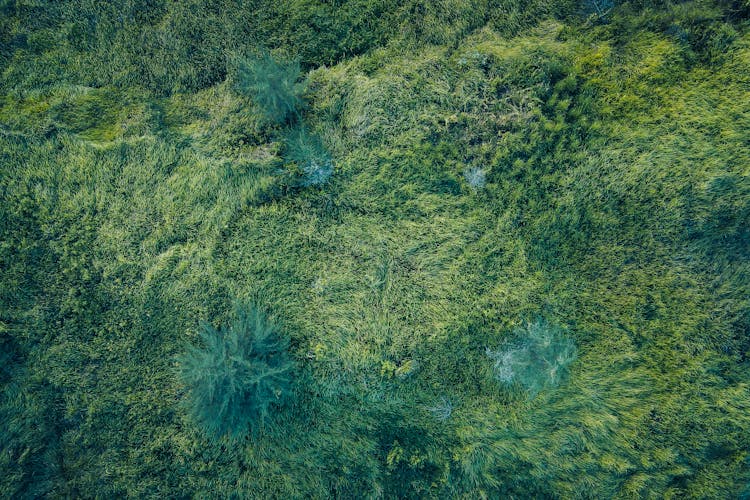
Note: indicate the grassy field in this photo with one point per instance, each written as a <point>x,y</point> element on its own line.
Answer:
<point>563,185</point>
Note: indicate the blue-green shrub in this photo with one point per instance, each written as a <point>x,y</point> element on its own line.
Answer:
<point>476,177</point>
<point>274,86</point>
<point>598,8</point>
<point>537,358</point>
<point>307,151</point>
<point>442,410</point>
<point>239,373</point>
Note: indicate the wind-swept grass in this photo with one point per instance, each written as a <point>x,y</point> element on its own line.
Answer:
<point>140,198</point>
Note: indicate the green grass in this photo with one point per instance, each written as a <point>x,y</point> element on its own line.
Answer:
<point>141,198</point>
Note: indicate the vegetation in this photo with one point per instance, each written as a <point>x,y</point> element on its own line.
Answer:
<point>273,86</point>
<point>537,359</point>
<point>433,174</point>
<point>306,150</point>
<point>238,376</point>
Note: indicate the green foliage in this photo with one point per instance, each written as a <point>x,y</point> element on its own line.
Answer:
<point>238,376</point>
<point>442,409</point>
<point>538,358</point>
<point>598,8</point>
<point>274,86</point>
<point>475,177</point>
<point>725,227</point>
<point>29,442</point>
<point>139,191</point>
<point>307,151</point>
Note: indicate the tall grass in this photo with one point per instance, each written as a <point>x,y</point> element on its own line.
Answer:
<point>140,193</point>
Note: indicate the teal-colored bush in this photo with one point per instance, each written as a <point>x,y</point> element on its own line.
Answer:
<point>598,8</point>
<point>239,373</point>
<point>442,410</point>
<point>308,152</point>
<point>274,86</point>
<point>537,358</point>
<point>137,191</point>
<point>476,177</point>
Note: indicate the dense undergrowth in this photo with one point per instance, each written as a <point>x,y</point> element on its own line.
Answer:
<point>561,160</point>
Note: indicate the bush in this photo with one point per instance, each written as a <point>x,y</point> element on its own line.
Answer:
<point>310,155</point>
<point>274,86</point>
<point>239,373</point>
<point>476,177</point>
<point>536,359</point>
<point>598,8</point>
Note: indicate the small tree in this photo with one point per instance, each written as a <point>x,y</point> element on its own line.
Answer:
<point>537,358</point>
<point>239,373</point>
<point>275,87</point>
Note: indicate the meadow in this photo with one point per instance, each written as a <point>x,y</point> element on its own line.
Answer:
<point>487,248</point>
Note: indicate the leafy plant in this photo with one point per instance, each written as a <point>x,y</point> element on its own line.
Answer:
<point>536,359</point>
<point>274,86</point>
<point>239,373</point>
